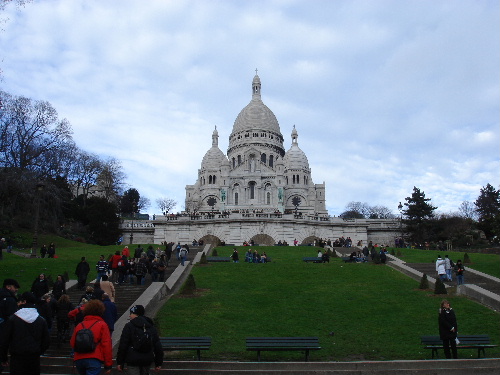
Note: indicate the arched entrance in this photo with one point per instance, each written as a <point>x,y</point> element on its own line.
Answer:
<point>214,240</point>
<point>263,239</point>
<point>309,240</point>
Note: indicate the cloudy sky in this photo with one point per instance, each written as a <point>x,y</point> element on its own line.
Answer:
<point>385,94</point>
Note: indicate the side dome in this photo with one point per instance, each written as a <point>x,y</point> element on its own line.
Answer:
<point>295,158</point>
<point>214,158</point>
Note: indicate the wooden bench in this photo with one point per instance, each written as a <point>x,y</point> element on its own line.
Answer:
<point>312,259</point>
<point>282,344</point>
<point>219,259</point>
<point>186,343</point>
<point>479,342</point>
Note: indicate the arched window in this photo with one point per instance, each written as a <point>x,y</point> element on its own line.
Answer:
<point>210,179</point>
<point>268,198</point>
<point>234,162</point>
<point>293,179</point>
<point>271,160</point>
<point>239,159</point>
<point>263,158</point>
<point>252,190</point>
<point>235,199</point>
<point>213,179</point>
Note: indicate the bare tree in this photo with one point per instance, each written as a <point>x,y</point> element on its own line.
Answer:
<point>380,212</point>
<point>30,131</point>
<point>85,172</point>
<point>165,204</point>
<point>467,210</point>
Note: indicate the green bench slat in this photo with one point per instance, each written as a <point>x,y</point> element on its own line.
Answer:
<point>479,342</point>
<point>282,344</point>
<point>312,259</point>
<point>218,259</point>
<point>186,343</point>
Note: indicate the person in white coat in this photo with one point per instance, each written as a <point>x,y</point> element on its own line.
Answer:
<point>441,268</point>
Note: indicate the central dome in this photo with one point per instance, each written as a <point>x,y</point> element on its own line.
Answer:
<point>256,115</point>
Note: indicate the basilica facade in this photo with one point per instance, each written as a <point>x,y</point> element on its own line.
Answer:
<point>257,175</point>
<point>258,191</point>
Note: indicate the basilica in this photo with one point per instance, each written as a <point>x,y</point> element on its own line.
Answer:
<point>258,192</point>
<point>257,175</point>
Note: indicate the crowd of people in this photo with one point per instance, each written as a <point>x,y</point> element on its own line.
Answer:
<point>446,267</point>
<point>26,322</point>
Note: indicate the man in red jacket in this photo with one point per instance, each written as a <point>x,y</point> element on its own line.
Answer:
<point>90,363</point>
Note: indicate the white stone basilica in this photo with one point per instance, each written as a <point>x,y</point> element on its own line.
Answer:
<point>257,175</point>
<point>257,192</point>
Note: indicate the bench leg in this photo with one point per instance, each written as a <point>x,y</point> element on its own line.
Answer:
<point>307,355</point>
<point>199,354</point>
<point>258,355</point>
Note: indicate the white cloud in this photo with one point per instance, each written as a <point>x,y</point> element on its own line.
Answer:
<point>386,95</point>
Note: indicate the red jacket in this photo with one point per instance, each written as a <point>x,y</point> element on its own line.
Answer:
<point>102,337</point>
<point>114,261</point>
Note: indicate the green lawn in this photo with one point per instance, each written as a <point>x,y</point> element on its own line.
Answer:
<point>487,263</point>
<point>68,254</point>
<point>376,313</point>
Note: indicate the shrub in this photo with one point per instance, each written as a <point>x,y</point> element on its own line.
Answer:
<point>398,253</point>
<point>392,252</point>
<point>203,259</point>
<point>440,288</point>
<point>376,258</point>
<point>214,253</point>
<point>466,258</point>
<point>424,283</point>
<point>189,287</point>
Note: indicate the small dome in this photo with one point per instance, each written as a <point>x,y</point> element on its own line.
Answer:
<point>214,159</point>
<point>295,157</point>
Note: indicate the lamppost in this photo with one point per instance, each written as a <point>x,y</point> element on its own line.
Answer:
<point>400,208</point>
<point>134,207</point>
<point>39,188</point>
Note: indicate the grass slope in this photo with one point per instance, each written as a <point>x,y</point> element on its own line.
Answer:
<point>376,313</point>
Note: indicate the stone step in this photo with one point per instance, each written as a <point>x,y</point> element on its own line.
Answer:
<point>64,365</point>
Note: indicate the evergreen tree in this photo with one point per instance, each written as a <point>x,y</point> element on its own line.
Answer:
<point>418,215</point>
<point>488,210</point>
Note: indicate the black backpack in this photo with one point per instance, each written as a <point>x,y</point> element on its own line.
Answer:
<point>84,340</point>
<point>143,340</point>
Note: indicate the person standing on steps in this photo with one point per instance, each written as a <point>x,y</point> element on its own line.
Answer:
<point>139,344</point>
<point>90,363</point>
<point>26,337</point>
<point>81,272</point>
<point>448,329</point>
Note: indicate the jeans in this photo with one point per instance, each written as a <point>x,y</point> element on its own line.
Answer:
<point>183,258</point>
<point>100,274</point>
<point>88,366</point>
<point>460,279</point>
<point>448,274</point>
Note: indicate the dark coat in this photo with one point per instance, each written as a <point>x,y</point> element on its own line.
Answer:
<point>59,289</point>
<point>25,333</point>
<point>447,320</point>
<point>40,287</point>
<point>126,352</point>
<point>8,303</point>
<point>82,270</point>
<point>110,314</point>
